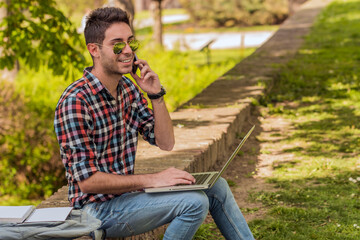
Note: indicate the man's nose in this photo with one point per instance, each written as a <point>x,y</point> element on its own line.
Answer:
<point>127,49</point>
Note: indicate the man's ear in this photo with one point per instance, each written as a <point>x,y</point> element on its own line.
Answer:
<point>93,49</point>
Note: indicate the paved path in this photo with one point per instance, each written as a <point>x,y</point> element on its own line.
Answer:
<point>195,41</point>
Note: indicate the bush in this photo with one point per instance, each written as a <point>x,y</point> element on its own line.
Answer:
<point>29,163</point>
<point>228,13</point>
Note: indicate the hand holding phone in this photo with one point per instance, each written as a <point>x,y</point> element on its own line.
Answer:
<point>147,80</point>
<point>135,67</point>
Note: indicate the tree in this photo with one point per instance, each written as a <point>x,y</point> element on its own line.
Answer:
<point>129,7</point>
<point>36,33</point>
<point>156,10</point>
<point>6,73</point>
<point>71,7</point>
<point>230,13</point>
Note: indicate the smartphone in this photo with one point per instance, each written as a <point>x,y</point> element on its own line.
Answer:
<point>135,67</point>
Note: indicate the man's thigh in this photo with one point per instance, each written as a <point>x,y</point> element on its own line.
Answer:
<point>135,213</point>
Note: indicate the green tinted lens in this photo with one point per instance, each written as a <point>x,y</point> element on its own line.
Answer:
<point>134,45</point>
<point>118,47</point>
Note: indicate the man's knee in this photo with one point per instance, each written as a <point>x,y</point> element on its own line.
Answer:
<point>196,202</point>
<point>221,184</point>
<point>221,189</point>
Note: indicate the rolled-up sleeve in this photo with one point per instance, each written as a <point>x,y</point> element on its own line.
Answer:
<point>74,127</point>
<point>146,121</point>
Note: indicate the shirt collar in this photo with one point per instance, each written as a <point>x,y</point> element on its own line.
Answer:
<point>94,83</point>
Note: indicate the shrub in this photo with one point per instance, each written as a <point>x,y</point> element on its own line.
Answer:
<point>29,162</point>
<point>228,13</point>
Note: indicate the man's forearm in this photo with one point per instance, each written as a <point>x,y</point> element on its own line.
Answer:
<point>108,183</point>
<point>164,131</point>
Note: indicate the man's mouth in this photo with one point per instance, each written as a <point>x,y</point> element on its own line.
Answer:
<point>125,60</point>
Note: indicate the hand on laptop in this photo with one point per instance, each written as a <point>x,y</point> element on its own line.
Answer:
<point>172,177</point>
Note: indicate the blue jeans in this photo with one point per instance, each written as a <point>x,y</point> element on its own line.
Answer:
<point>139,212</point>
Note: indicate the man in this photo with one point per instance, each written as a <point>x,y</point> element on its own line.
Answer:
<point>97,121</point>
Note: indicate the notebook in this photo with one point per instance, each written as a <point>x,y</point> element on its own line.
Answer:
<point>28,214</point>
<point>204,180</point>
<point>16,214</point>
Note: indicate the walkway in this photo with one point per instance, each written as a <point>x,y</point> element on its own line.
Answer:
<point>195,41</point>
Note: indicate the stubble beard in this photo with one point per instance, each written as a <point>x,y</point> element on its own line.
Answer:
<point>111,67</point>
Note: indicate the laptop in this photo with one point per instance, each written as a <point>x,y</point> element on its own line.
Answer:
<point>204,180</point>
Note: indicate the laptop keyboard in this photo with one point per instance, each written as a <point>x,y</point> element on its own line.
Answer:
<point>201,178</point>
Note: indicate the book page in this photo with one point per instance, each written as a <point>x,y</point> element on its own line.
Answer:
<point>49,214</point>
<point>15,213</point>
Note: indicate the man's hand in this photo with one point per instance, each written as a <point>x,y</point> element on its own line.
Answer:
<point>171,177</point>
<point>148,80</point>
<point>107,183</point>
<point>150,83</point>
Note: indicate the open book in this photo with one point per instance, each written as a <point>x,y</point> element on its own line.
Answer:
<point>27,214</point>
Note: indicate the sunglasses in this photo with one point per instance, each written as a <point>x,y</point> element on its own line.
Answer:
<point>133,44</point>
<point>119,46</point>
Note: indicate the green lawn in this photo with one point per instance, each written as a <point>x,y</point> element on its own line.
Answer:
<point>318,192</point>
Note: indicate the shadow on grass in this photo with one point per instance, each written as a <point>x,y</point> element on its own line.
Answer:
<point>312,208</point>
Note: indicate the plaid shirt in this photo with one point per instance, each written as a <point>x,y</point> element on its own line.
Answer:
<point>97,133</point>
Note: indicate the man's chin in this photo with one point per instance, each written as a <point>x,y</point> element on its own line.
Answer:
<point>118,73</point>
<point>126,70</point>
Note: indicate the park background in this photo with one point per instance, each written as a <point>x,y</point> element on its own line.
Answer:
<point>44,52</point>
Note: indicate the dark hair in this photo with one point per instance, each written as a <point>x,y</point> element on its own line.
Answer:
<point>99,20</point>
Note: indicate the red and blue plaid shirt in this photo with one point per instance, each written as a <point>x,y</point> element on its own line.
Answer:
<point>96,132</point>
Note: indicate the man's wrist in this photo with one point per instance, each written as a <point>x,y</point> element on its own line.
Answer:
<point>157,95</point>
<point>158,100</point>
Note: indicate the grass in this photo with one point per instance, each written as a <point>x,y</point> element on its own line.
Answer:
<point>314,208</point>
<point>317,192</point>
<point>185,74</point>
<point>208,232</point>
<point>17,201</point>
<point>218,56</point>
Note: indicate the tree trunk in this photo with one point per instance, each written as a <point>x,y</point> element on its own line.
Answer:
<point>157,28</point>
<point>128,6</point>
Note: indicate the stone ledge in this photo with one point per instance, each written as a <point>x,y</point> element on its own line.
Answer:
<point>206,126</point>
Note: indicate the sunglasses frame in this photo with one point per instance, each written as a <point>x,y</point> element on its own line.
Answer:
<point>119,46</point>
